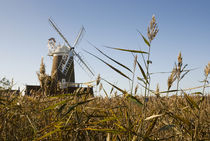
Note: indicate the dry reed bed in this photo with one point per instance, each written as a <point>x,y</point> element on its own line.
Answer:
<point>127,116</point>
<point>58,118</point>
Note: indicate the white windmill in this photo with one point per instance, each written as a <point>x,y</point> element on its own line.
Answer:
<point>63,59</point>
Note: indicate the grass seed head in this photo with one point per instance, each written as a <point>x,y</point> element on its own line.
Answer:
<point>98,79</point>
<point>135,61</point>
<point>179,61</point>
<point>136,89</point>
<point>172,78</point>
<point>207,69</point>
<point>179,67</point>
<point>152,29</point>
<point>180,58</point>
<point>42,66</point>
<point>157,92</point>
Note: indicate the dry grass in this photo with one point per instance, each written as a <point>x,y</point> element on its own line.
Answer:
<point>126,116</point>
<point>75,117</point>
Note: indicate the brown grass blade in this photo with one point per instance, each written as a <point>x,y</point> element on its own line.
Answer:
<point>153,116</point>
<point>150,128</point>
<point>191,102</point>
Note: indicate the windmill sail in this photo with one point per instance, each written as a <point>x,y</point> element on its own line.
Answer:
<point>79,37</point>
<point>67,63</point>
<point>53,24</point>
<point>69,58</point>
<point>83,65</point>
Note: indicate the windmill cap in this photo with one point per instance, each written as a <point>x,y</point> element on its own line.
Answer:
<point>61,50</point>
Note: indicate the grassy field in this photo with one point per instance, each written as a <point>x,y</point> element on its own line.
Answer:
<point>125,116</point>
<point>77,117</point>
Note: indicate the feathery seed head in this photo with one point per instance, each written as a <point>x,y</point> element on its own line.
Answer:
<point>180,57</point>
<point>170,81</point>
<point>180,60</point>
<point>172,78</point>
<point>136,88</point>
<point>152,29</point>
<point>179,64</point>
<point>98,79</point>
<point>42,66</point>
<point>135,61</point>
<point>207,69</point>
<point>157,92</point>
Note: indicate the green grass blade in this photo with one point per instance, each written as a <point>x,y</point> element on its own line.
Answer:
<point>77,104</point>
<point>145,40</point>
<point>104,120</point>
<point>121,127</point>
<point>134,100</point>
<point>142,72</point>
<point>128,50</point>
<point>141,80</point>
<point>115,86</point>
<point>115,69</point>
<point>48,134</point>
<point>105,130</point>
<point>55,105</point>
<point>197,93</point>
<point>166,127</point>
<point>170,91</point>
<point>191,102</point>
<point>59,111</point>
<point>112,58</point>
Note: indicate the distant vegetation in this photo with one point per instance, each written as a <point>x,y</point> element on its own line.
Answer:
<point>6,84</point>
<point>126,116</point>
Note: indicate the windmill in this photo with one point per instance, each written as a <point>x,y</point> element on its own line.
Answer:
<point>64,57</point>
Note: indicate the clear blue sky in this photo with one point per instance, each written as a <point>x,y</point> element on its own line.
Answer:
<point>184,25</point>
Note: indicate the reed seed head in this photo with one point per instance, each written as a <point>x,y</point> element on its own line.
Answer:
<point>42,66</point>
<point>152,29</point>
<point>98,79</point>
<point>172,78</point>
<point>207,70</point>
<point>180,60</point>
<point>136,89</point>
<point>135,61</point>
<point>179,65</point>
<point>157,92</point>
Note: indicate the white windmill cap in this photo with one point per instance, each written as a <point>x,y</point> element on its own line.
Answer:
<point>60,50</point>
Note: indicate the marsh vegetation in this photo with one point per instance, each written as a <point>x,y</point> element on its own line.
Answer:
<point>173,114</point>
